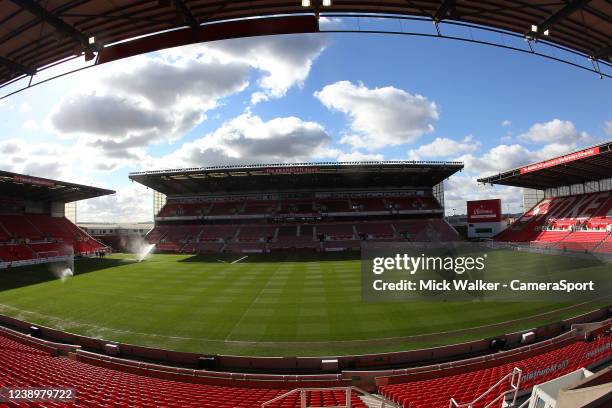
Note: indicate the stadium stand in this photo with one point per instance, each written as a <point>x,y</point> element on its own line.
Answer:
<point>104,384</point>
<point>19,226</point>
<point>336,231</point>
<point>33,227</point>
<point>110,381</point>
<point>432,387</point>
<point>581,221</point>
<point>299,207</point>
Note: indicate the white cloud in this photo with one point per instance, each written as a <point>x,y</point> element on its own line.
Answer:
<point>25,107</point>
<point>608,127</point>
<point>554,131</point>
<point>144,101</point>
<point>130,204</point>
<point>506,123</point>
<point>330,23</point>
<point>504,157</point>
<point>31,124</point>
<point>379,117</point>
<point>161,97</point>
<point>463,187</point>
<point>283,61</point>
<point>444,148</point>
<point>250,139</point>
<point>39,159</point>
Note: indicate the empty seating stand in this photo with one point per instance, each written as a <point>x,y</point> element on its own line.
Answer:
<point>369,204</point>
<point>19,226</point>
<point>466,386</point>
<point>375,229</point>
<point>336,231</point>
<point>25,237</point>
<point>572,223</point>
<point>97,386</point>
<point>583,240</point>
<point>250,233</point>
<point>12,252</point>
<point>269,223</point>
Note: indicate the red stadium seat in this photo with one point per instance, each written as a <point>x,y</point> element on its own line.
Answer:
<point>96,386</point>
<point>577,223</point>
<point>465,387</point>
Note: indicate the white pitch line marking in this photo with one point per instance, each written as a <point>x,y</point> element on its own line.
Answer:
<point>238,260</point>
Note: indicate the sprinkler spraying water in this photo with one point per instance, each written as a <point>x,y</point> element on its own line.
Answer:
<point>64,270</point>
<point>144,252</point>
<point>65,274</point>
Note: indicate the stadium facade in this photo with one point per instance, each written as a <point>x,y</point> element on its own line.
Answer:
<point>308,206</point>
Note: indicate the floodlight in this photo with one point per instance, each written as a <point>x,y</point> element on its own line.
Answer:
<point>305,3</point>
<point>546,32</point>
<point>534,28</point>
<point>326,3</point>
<point>92,40</point>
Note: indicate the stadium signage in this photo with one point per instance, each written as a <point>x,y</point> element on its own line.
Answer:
<point>484,211</point>
<point>546,371</point>
<point>33,180</point>
<point>594,151</point>
<point>292,170</point>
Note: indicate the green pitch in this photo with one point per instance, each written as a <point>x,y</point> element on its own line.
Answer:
<point>306,305</point>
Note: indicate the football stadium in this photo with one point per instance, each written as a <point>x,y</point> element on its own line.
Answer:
<point>341,283</point>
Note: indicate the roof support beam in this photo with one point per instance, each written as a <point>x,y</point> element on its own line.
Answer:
<point>445,8</point>
<point>54,21</point>
<point>604,53</point>
<point>560,15</point>
<point>217,10</point>
<point>15,66</point>
<point>185,13</point>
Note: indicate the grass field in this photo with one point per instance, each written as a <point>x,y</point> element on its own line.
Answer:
<point>306,305</point>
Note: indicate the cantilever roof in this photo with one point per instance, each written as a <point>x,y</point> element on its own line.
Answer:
<point>295,177</point>
<point>35,34</point>
<point>45,190</point>
<point>591,164</point>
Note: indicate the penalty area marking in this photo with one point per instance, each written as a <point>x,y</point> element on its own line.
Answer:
<point>238,260</point>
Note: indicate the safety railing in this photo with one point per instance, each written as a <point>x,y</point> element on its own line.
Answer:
<point>515,381</point>
<point>304,392</point>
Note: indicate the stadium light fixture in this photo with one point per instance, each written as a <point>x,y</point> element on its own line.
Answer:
<point>305,3</point>
<point>327,3</point>
<point>534,28</point>
<point>92,40</point>
<point>546,32</point>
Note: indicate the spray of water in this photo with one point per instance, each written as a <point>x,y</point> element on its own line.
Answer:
<point>62,271</point>
<point>144,252</point>
<point>65,274</point>
<point>139,247</point>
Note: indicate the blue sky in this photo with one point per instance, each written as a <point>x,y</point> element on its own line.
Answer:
<point>308,97</point>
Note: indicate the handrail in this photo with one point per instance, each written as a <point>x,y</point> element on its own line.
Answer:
<point>348,390</point>
<point>515,382</point>
<point>525,403</point>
